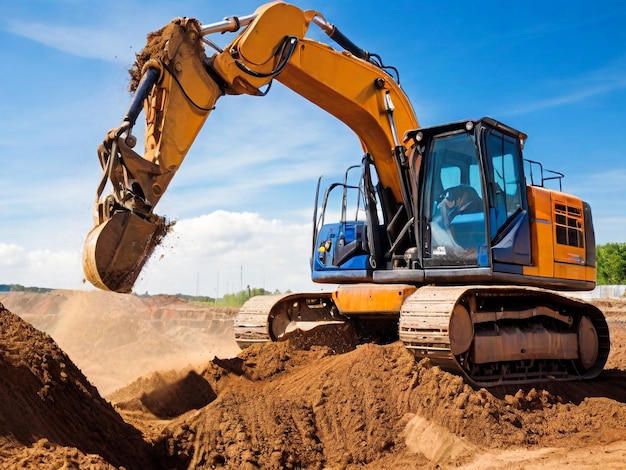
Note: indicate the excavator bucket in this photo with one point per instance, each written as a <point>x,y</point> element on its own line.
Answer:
<point>116,250</point>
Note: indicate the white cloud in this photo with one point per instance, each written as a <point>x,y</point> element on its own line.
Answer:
<point>216,253</point>
<point>81,41</point>
<point>566,99</point>
<point>40,268</point>
<point>609,228</point>
<point>224,251</point>
<point>596,183</point>
<point>10,254</point>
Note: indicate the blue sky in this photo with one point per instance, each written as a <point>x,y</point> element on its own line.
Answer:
<point>243,198</point>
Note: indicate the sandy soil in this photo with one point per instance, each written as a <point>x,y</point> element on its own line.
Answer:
<point>180,394</point>
<point>116,338</point>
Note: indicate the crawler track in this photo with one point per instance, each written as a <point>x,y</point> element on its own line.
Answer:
<point>271,317</point>
<point>495,335</point>
<point>251,321</point>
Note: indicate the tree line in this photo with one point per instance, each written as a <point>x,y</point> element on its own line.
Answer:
<point>21,288</point>
<point>236,299</point>
<point>611,262</point>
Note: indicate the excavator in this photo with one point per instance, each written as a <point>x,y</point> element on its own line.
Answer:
<point>448,240</point>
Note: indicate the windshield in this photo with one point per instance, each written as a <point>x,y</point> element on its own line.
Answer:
<point>454,207</point>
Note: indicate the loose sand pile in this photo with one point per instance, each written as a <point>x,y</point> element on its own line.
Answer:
<point>50,414</point>
<point>115,338</point>
<point>284,405</point>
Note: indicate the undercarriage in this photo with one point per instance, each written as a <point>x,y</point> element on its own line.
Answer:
<point>491,335</point>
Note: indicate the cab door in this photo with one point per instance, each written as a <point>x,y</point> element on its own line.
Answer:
<point>454,205</point>
<point>509,225</point>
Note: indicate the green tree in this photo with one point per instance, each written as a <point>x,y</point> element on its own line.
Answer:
<point>611,260</point>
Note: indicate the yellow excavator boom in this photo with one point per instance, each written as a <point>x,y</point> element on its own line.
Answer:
<point>178,86</point>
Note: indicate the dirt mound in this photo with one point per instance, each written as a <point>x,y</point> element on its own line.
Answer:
<point>339,338</point>
<point>48,405</point>
<point>293,404</point>
<point>280,407</point>
<point>115,338</point>
<point>166,397</point>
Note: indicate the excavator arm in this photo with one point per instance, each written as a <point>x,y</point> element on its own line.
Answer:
<point>177,86</point>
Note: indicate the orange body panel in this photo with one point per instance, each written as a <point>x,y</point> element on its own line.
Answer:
<point>541,233</point>
<point>557,236</point>
<point>371,298</point>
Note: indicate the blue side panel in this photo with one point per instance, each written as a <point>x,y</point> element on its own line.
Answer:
<point>341,253</point>
<point>508,268</point>
<point>514,247</point>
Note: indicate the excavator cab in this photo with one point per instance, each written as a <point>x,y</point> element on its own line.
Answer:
<point>474,218</point>
<point>471,208</point>
<point>474,210</point>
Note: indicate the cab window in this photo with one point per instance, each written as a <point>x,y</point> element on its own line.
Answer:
<point>506,191</point>
<point>454,207</point>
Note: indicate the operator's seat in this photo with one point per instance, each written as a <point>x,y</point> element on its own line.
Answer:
<point>467,220</point>
<point>471,201</point>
